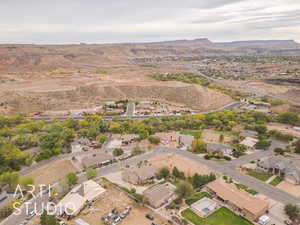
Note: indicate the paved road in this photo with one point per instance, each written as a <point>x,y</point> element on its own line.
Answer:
<point>229,106</point>
<point>243,85</point>
<point>130,109</point>
<point>248,158</point>
<point>226,168</point>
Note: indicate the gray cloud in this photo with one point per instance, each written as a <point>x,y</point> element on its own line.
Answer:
<point>95,21</point>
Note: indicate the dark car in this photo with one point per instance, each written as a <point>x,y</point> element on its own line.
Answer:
<point>148,216</point>
<point>3,198</point>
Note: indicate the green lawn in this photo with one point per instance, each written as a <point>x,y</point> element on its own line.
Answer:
<point>195,133</point>
<point>244,187</point>
<point>196,197</point>
<point>276,181</point>
<point>223,216</point>
<point>260,176</point>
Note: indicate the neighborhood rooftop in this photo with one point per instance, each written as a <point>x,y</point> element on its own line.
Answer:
<point>281,165</point>
<point>159,194</point>
<point>216,147</point>
<point>137,174</point>
<point>240,198</point>
<point>96,159</point>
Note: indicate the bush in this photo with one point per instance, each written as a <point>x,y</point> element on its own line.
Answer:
<point>227,158</point>
<point>279,151</point>
<point>118,152</point>
<point>154,140</point>
<point>72,178</point>
<point>207,157</point>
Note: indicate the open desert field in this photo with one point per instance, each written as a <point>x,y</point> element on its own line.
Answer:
<point>188,166</point>
<point>52,173</point>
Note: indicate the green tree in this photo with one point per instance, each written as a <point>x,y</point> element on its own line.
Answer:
<point>71,178</point>
<point>91,173</point>
<point>177,174</point>
<point>292,211</point>
<point>46,219</point>
<point>118,152</point>
<point>200,180</point>
<point>221,138</point>
<point>164,173</point>
<point>10,179</point>
<point>263,143</point>
<point>260,128</point>
<point>25,182</point>
<point>184,190</point>
<point>199,146</point>
<point>154,140</point>
<point>101,139</point>
<point>136,151</point>
<point>289,118</point>
<point>6,211</point>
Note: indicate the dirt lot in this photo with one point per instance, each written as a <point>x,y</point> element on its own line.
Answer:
<point>289,188</point>
<point>188,166</point>
<point>287,129</point>
<point>115,199</point>
<point>52,173</point>
<point>213,136</point>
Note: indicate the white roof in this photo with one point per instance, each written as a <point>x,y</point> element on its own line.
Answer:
<point>75,200</point>
<point>72,203</point>
<point>249,142</point>
<point>91,190</point>
<point>264,219</point>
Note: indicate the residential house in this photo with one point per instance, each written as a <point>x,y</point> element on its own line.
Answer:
<point>280,166</point>
<point>249,142</point>
<point>239,200</point>
<point>159,194</point>
<point>96,160</point>
<point>79,196</point>
<point>220,149</point>
<point>184,141</point>
<point>139,175</point>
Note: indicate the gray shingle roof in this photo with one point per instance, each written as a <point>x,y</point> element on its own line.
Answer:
<point>284,165</point>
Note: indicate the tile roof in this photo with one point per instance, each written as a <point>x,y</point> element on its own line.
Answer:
<point>239,197</point>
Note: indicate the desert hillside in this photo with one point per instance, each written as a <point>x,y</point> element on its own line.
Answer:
<point>53,77</point>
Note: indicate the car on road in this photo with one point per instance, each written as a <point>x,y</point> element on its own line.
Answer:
<point>3,198</point>
<point>148,216</point>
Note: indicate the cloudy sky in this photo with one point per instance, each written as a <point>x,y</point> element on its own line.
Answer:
<point>104,21</point>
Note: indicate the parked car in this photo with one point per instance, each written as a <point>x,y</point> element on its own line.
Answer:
<point>3,198</point>
<point>148,216</point>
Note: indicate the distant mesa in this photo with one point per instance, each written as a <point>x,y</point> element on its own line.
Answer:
<point>198,41</point>
<point>257,42</point>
